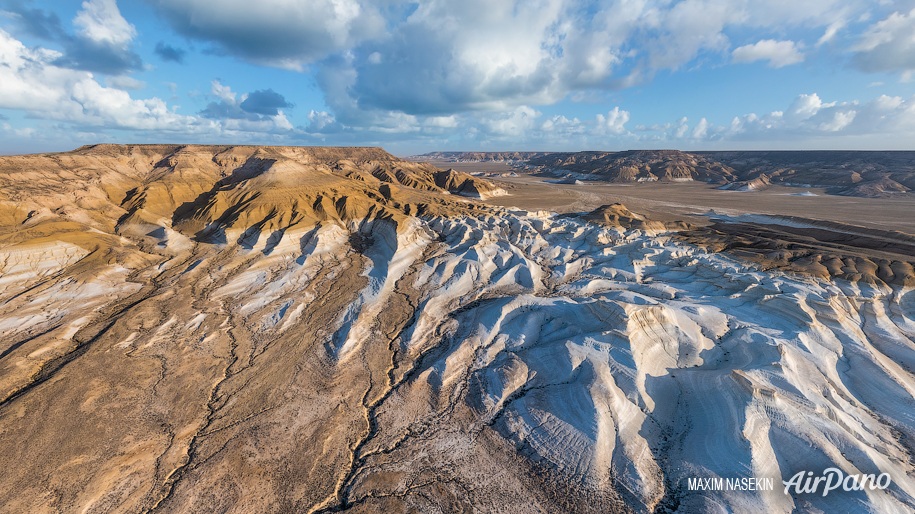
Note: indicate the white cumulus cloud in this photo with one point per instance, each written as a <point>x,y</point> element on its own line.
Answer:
<point>33,83</point>
<point>777,53</point>
<point>517,122</point>
<point>101,21</point>
<point>614,122</point>
<point>888,44</point>
<point>889,119</point>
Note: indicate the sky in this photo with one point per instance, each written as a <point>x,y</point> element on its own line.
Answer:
<point>416,77</point>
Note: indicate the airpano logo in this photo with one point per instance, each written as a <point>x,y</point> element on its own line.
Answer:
<point>803,482</point>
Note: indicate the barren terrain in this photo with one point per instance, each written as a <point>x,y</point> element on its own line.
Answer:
<point>285,329</point>
<point>850,173</point>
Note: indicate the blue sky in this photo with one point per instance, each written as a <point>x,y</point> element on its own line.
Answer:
<point>471,75</point>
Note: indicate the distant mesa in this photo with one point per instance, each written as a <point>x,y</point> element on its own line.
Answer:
<point>637,166</point>
<point>852,173</point>
<point>509,157</point>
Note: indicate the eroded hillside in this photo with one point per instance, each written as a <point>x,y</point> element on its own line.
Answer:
<point>248,329</point>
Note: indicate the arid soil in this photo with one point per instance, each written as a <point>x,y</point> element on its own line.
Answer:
<point>691,201</point>
<point>795,229</point>
<point>287,329</point>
